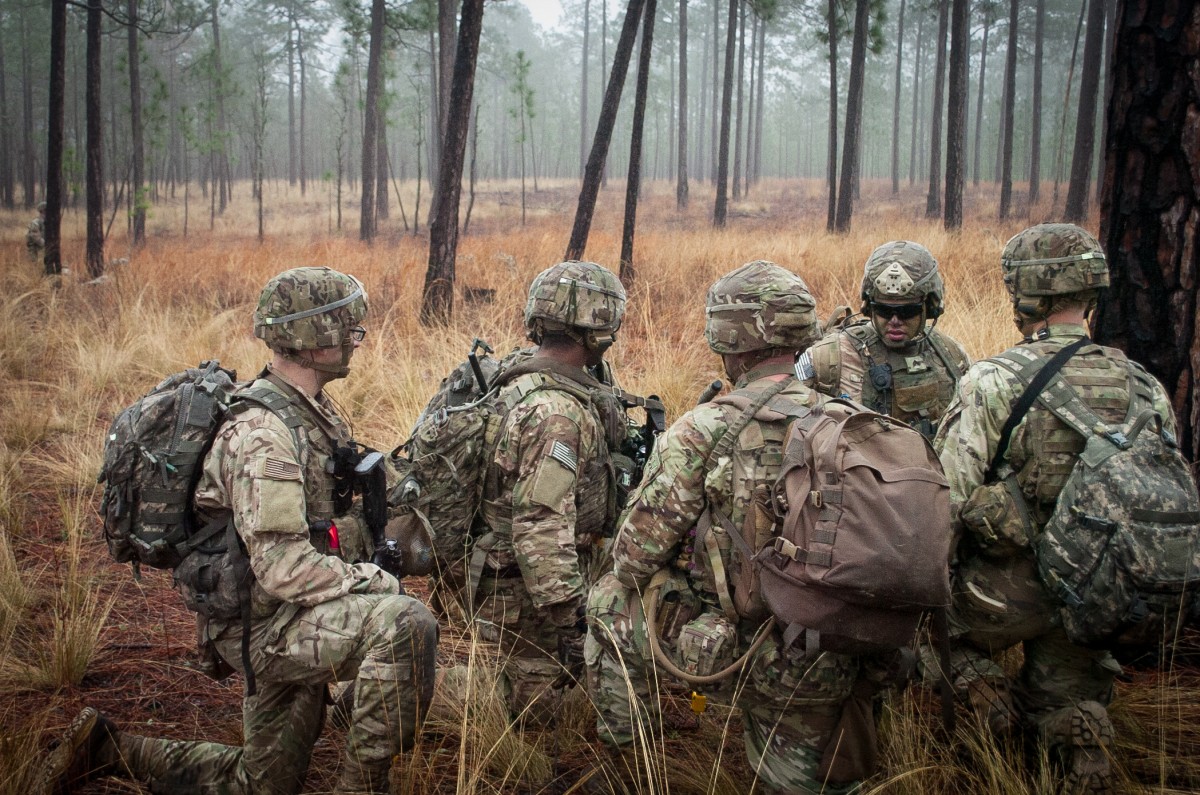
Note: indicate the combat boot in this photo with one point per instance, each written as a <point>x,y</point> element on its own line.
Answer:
<point>992,701</point>
<point>88,750</point>
<point>356,779</point>
<point>1083,736</point>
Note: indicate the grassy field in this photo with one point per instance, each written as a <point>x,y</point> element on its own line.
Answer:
<point>76,629</point>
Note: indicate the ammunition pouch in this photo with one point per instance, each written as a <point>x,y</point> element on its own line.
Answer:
<point>209,578</point>
<point>998,520</point>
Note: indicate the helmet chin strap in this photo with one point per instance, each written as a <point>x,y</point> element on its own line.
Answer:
<point>339,370</point>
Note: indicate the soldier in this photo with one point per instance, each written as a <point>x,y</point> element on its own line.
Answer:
<point>550,493</point>
<point>1054,273</point>
<point>758,317</point>
<point>897,363</point>
<point>314,618</point>
<point>35,234</point>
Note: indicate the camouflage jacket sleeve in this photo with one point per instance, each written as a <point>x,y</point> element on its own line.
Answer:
<point>255,464</point>
<point>547,439</point>
<point>670,499</point>
<point>35,234</point>
<point>970,432</point>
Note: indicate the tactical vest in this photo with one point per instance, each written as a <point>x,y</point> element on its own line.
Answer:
<point>595,506</point>
<point>1044,449</point>
<point>914,385</point>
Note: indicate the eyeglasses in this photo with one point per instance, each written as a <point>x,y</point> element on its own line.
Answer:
<point>901,311</point>
<point>358,333</point>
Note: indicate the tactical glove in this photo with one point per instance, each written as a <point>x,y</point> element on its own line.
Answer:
<point>571,624</point>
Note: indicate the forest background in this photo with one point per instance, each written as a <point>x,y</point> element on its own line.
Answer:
<point>259,150</point>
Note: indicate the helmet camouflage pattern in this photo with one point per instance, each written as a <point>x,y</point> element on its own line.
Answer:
<point>903,272</point>
<point>1053,259</point>
<point>573,294</point>
<point>307,308</point>
<point>760,305</point>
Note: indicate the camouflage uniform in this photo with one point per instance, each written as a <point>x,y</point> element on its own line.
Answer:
<point>550,492</point>
<point>35,235</point>
<point>999,600</point>
<point>315,617</point>
<point>790,704</point>
<point>915,382</point>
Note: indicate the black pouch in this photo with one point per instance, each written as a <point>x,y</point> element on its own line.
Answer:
<point>852,753</point>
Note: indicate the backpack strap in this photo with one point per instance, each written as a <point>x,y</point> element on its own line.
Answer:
<point>1036,374</point>
<point>954,364</point>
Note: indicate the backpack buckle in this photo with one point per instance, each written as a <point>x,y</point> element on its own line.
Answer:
<point>1119,439</point>
<point>816,499</point>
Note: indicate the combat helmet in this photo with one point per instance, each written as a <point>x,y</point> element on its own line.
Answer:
<point>305,309</point>
<point>580,299</point>
<point>903,272</point>
<point>1048,260</point>
<point>759,306</point>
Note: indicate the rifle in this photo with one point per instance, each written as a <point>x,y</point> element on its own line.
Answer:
<point>358,469</point>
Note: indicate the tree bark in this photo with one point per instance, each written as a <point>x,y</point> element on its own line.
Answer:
<point>1150,201</point>
<point>1035,133</point>
<point>29,179</point>
<point>290,57</point>
<point>737,114</point>
<point>583,85</point>
<point>916,98</point>
<point>437,299</point>
<point>1062,115</point>
<point>54,137</point>
<point>1085,123</point>
<point>222,175</point>
<point>7,184</point>
<point>594,172</point>
<point>95,145</point>
<point>831,165</point>
<point>756,171</point>
<point>896,104</point>
<point>627,271</point>
<point>933,200</point>
<point>956,114</point>
<point>721,205</point>
<point>681,174</point>
<point>854,106</point>
<point>1006,132</point>
<point>138,155</point>
<point>370,142</point>
<point>983,54</point>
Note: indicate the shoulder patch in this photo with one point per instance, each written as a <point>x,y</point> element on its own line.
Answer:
<point>279,469</point>
<point>564,455</point>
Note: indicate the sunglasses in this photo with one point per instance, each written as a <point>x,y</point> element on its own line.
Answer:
<point>902,311</point>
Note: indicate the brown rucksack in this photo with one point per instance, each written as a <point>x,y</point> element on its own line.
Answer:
<point>863,546</point>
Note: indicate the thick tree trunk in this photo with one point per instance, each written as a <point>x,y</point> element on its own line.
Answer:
<point>437,299</point>
<point>681,174</point>
<point>54,137</point>
<point>370,134</point>
<point>1150,205</point>
<point>95,145</point>
<point>721,205</point>
<point>956,114</point>
<point>1035,121</point>
<point>983,54</point>
<point>831,164</point>
<point>933,200</point>
<point>627,270</point>
<point>138,155</point>
<point>383,171</point>
<point>593,174</point>
<point>1006,132</point>
<point>1085,123</point>
<point>896,104</point>
<point>854,106</point>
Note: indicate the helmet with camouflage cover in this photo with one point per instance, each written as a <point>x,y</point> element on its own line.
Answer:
<point>760,306</point>
<point>305,309</point>
<point>1052,259</point>
<point>903,272</point>
<point>579,299</point>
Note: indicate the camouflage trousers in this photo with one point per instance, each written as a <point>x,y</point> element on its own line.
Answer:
<point>385,643</point>
<point>790,705</point>
<point>1000,604</point>
<point>505,615</point>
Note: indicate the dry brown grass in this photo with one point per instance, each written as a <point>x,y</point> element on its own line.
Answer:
<point>74,629</point>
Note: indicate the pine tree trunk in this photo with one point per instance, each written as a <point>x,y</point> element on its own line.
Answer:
<point>7,184</point>
<point>594,171</point>
<point>583,85</point>
<point>737,114</point>
<point>1150,205</point>
<point>1006,132</point>
<point>854,106</point>
<point>437,299</point>
<point>681,176</point>
<point>933,200</point>
<point>1035,134</point>
<point>138,155</point>
<point>831,165</point>
<point>54,137</point>
<point>983,54</point>
<point>30,157</point>
<point>896,104</point>
<point>956,114</point>
<point>1085,123</point>
<point>290,57</point>
<point>721,205</point>
<point>95,145</point>
<point>916,99</point>
<point>370,135</point>
<point>627,270</point>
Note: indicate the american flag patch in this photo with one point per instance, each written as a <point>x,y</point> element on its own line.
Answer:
<point>564,455</point>
<point>279,469</point>
<point>804,366</point>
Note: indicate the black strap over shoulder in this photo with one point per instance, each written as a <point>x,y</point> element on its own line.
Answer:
<point>1039,382</point>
